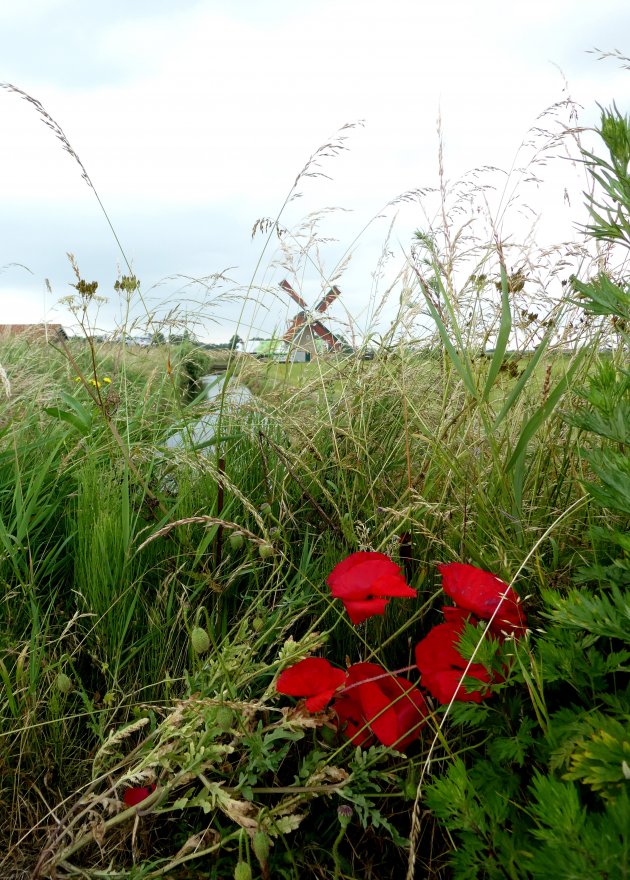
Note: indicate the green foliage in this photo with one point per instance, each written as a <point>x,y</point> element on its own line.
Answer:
<point>601,759</point>
<point>606,615</point>
<point>194,363</point>
<point>601,296</point>
<point>550,798</point>
<point>573,842</point>
<point>610,212</point>
<point>367,781</point>
<point>476,803</point>
<point>79,416</point>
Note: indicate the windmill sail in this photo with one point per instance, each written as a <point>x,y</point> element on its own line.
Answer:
<point>287,287</point>
<point>303,328</point>
<point>328,300</point>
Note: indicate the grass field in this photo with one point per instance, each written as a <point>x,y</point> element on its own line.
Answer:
<point>154,598</point>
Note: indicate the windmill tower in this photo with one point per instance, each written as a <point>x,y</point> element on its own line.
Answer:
<point>306,331</point>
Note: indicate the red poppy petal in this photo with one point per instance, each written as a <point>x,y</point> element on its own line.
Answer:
<point>342,568</point>
<point>364,574</point>
<point>351,720</point>
<point>358,733</point>
<point>360,609</point>
<point>358,673</point>
<point>136,794</point>
<point>482,592</point>
<point>358,581</point>
<point>452,614</point>
<point>411,710</point>
<point>510,620</point>
<point>408,704</point>
<point>393,707</point>
<point>319,701</point>
<point>347,709</point>
<point>437,649</point>
<point>446,684</point>
<point>379,713</point>
<point>344,573</point>
<point>442,666</point>
<point>310,677</point>
<point>394,585</point>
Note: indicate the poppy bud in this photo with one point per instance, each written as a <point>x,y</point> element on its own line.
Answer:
<point>265,508</point>
<point>260,844</point>
<point>242,871</point>
<point>200,640</point>
<point>225,718</point>
<point>344,813</point>
<point>236,540</point>
<point>257,624</point>
<point>265,551</point>
<point>64,685</point>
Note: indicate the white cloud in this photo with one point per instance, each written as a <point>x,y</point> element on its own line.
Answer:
<point>213,107</point>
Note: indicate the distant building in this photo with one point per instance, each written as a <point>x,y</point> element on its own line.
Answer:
<point>141,339</point>
<point>271,349</point>
<point>34,332</point>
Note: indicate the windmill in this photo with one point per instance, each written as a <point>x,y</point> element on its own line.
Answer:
<point>305,328</point>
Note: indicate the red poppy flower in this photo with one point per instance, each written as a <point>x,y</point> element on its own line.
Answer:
<point>365,582</point>
<point>350,715</point>
<point>375,703</point>
<point>457,615</point>
<point>137,794</point>
<point>442,666</point>
<point>313,678</point>
<point>482,593</point>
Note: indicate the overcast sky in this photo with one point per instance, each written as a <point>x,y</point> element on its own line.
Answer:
<point>193,119</point>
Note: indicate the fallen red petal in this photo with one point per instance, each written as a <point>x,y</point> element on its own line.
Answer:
<point>137,794</point>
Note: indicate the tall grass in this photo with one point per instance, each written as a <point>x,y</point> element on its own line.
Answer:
<point>113,548</point>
